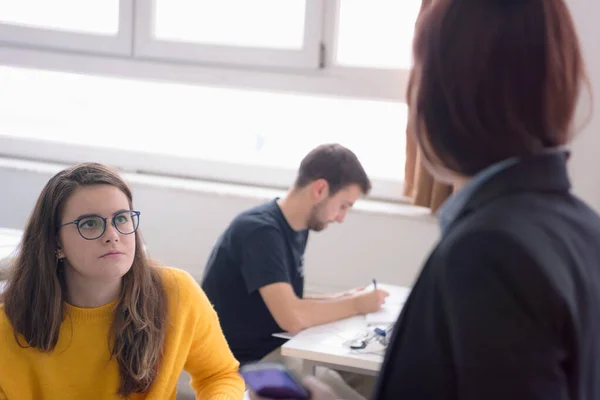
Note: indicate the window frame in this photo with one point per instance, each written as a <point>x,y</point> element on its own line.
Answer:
<point>116,56</point>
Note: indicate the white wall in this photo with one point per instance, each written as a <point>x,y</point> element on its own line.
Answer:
<point>585,171</point>
<point>181,220</point>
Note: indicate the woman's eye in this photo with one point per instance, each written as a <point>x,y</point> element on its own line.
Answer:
<point>122,219</point>
<point>88,224</point>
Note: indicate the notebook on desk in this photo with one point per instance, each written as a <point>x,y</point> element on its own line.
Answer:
<point>388,314</point>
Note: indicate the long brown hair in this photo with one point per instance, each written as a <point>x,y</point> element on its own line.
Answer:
<point>34,300</point>
<point>493,79</point>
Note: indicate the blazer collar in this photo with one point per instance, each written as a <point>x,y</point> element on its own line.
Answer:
<point>541,173</point>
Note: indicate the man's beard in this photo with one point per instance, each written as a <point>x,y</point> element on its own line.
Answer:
<point>315,223</point>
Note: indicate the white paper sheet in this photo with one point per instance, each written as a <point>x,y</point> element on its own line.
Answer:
<point>284,335</point>
<point>387,315</point>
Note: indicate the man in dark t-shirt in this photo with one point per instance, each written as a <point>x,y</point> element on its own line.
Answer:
<point>259,248</point>
<point>255,273</point>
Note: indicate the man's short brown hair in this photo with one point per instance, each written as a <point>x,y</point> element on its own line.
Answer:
<point>335,164</point>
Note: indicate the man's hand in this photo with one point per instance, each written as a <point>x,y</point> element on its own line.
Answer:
<point>369,302</point>
<point>293,314</point>
<point>318,390</point>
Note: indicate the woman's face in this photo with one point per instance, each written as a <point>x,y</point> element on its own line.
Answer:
<point>108,257</point>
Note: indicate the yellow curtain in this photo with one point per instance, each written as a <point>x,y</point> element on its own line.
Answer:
<point>419,185</point>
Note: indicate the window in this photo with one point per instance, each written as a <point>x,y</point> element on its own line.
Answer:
<point>100,17</point>
<point>376,33</point>
<point>229,90</point>
<point>257,33</point>
<point>259,23</point>
<point>102,26</point>
<point>358,48</point>
<point>203,132</point>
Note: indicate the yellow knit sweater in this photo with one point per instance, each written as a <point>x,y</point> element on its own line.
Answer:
<point>80,366</point>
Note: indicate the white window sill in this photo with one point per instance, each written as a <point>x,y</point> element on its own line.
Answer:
<point>392,209</point>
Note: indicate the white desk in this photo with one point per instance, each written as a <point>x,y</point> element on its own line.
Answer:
<point>326,345</point>
<point>9,241</point>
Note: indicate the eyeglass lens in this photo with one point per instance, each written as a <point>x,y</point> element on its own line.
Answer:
<point>93,227</point>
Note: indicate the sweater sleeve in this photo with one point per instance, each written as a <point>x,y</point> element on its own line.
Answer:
<point>210,362</point>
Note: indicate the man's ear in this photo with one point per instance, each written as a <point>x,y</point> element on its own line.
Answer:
<point>320,190</point>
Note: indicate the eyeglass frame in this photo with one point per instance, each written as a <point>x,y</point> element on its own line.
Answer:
<point>105,220</point>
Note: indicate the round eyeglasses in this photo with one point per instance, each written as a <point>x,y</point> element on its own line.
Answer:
<point>92,227</point>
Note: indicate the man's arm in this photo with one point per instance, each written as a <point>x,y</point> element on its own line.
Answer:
<point>264,269</point>
<point>331,296</point>
<point>293,314</point>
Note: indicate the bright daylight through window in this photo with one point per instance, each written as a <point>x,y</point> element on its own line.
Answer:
<point>99,17</point>
<point>184,122</point>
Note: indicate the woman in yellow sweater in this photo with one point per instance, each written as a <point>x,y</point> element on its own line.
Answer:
<point>86,315</point>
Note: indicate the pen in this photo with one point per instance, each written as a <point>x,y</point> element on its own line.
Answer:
<point>375,284</point>
<point>380,332</point>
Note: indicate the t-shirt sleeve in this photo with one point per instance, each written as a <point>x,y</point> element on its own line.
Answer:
<point>263,259</point>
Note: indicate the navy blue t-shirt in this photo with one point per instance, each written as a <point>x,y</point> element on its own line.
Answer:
<point>258,248</point>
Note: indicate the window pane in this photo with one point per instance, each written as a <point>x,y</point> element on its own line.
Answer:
<point>376,33</point>
<point>84,16</point>
<point>255,23</point>
<point>234,126</point>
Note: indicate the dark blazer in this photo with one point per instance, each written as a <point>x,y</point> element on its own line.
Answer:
<point>507,306</point>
